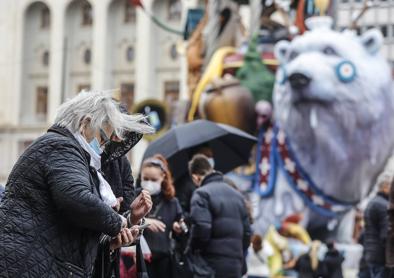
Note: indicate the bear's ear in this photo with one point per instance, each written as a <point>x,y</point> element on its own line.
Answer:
<point>281,50</point>
<point>372,40</point>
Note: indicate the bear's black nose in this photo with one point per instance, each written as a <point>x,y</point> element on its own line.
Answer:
<point>299,81</point>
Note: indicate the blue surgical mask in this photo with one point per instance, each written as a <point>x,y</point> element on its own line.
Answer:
<point>95,145</point>
<point>212,162</point>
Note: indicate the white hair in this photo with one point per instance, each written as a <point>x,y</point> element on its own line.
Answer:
<point>101,109</point>
<point>384,179</point>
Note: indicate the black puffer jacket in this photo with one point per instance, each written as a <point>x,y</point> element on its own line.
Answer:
<point>221,228</point>
<point>118,175</point>
<point>1,191</point>
<point>51,216</point>
<point>333,261</point>
<point>376,229</point>
<point>184,188</point>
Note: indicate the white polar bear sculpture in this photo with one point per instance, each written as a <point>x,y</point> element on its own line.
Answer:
<point>334,113</point>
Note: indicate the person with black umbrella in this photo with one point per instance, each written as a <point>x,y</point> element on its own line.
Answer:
<point>225,146</point>
<point>184,185</point>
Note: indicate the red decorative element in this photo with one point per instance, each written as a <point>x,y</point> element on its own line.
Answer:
<point>265,159</point>
<point>300,16</point>
<point>136,3</point>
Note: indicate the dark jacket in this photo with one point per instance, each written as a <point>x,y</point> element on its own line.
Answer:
<point>117,171</point>
<point>1,191</point>
<point>390,233</point>
<point>304,268</point>
<point>118,175</point>
<point>376,228</point>
<point>51,216</point>
<point>221,228</point>
<point>184,188</point>
<point>167,211</point>
<point>333,262</point>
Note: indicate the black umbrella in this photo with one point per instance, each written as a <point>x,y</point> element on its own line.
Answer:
<point>230,146</point>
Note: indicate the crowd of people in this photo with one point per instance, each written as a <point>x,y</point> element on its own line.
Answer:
<point>71,204</point>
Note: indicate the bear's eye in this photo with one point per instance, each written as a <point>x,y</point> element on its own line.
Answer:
<point>293,54</point>
<point>328,50</point>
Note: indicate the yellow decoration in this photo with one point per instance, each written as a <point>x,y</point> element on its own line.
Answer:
<point>298,232</point>
<point>322,5</point>
<point>214,70</point>
<point>278,244</point>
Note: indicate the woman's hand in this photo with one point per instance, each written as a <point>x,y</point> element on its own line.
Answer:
<point>140,207</point>
<point>176,227</point>
<point>155,225</point>
<point>125,237</point>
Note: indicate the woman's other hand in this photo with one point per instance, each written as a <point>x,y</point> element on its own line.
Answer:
<point>140,207</point>
<point>155,225</point>
<point>125,237</point>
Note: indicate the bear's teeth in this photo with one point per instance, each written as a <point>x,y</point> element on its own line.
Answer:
<point>313,118</point>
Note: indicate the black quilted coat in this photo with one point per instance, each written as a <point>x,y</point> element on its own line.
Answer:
<point>376,229</point>
<point>51,216</point>
<point>221,228</point>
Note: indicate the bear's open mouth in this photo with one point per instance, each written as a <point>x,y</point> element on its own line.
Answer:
<point>312,109</point>
<point>307,102</point>
<point>307,96</point>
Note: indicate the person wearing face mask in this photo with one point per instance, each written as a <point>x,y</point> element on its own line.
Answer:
<point>116,170</point>
<point>165,217</point>
<point>57,203</point>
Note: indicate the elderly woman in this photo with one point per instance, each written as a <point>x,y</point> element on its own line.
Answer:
<point>57,203</point>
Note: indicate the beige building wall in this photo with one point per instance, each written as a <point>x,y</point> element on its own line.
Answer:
<point>50,51</point>
<point>380,15</point>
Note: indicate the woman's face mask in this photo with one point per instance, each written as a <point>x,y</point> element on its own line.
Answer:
<point>95,145</point>
<point>154,187</point>
<point>151,179</point>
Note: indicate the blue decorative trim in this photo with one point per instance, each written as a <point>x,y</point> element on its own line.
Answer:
<point>306,177</point>
<point>318,192</point>
<point>307,201</point>
<point>313,196</point>
<point>282,75</point>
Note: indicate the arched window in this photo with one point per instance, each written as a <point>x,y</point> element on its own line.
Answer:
<point>87,14</point>
<point>174,9</point>
<point>129,12</point>
<point>45,18</point>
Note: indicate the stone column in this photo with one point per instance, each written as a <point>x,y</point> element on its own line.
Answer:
<point>100,71</point>
<point>17,63</point>
<point>56,74</point>
<point>145,75</point>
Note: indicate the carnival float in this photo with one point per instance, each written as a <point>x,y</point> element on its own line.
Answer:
<point>319,100</point>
